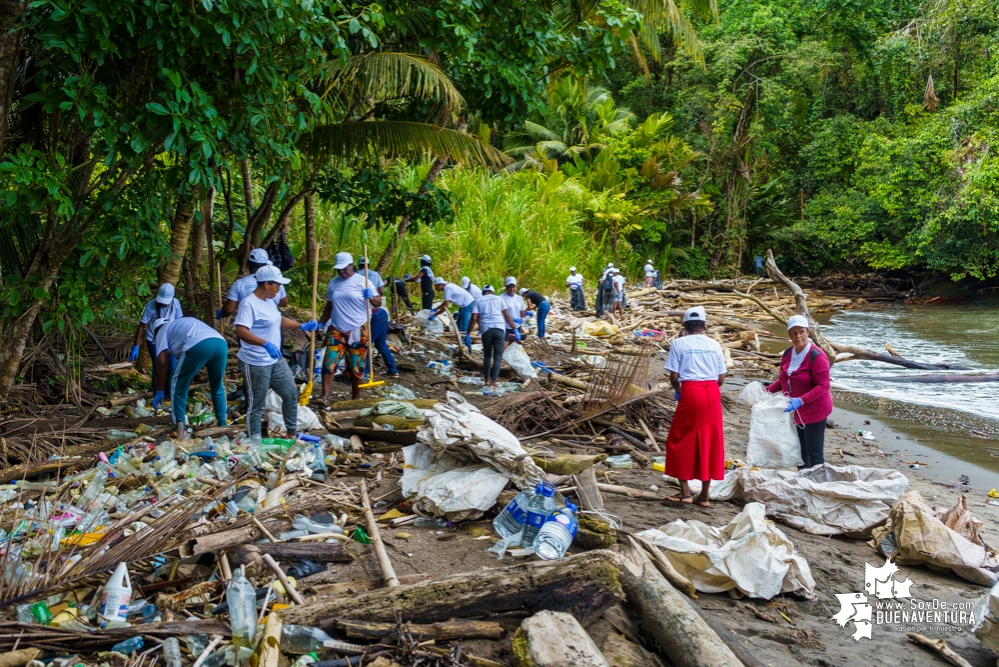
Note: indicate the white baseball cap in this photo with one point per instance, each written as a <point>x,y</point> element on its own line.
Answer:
<point>572,268</point>
<point>797,321</point>
<point>439,281</point>
<point>694,314</point>
<point>465,282</point>
<point>362,261</point>
<point>164,295</point>
<point>649,261</point>
<point>510,280</point>
<point>610,265</point>
<point>157,323</point>
<point>271,274</point>
<point>343,260</point>
<point>487,288</point>
<point>425,258</point>
<point>522,291</point>
<point>259,256</point>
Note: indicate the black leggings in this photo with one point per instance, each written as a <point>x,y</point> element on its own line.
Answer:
<point>812,438</point>
<point>492,353</point>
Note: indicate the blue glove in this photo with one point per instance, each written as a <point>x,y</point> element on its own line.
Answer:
<point>528,314</point>
<point>218,313</point>
<point>133,356</point>
<point>368,292</point>
<point>272,350</point>
<point>518,321</point>
<point>433,316</point>
<point>795,404</point>
<point>406,276</point>
<point>516,335</point>
<point>468,341</point>
<point>157,400</point>
<point>311,325</point>
<point>676,396</point>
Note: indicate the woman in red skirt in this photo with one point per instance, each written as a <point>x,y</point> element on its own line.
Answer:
<point>695,447</point>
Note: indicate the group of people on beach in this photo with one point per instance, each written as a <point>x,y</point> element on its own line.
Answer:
<point>353,319</point>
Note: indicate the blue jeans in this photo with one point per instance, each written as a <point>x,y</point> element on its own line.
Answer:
<point>543,309</point>
<point>379,331</point>
<point>465,317</point>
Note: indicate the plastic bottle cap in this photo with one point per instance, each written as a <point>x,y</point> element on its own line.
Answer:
<point>570,506</point>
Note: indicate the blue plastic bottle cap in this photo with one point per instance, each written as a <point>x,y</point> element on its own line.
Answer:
<point>546,489</point>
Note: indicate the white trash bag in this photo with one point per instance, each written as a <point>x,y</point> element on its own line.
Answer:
<point>773,442</point>
<point>516,357</point>
<point>307,419</point>
<point>435,325</point>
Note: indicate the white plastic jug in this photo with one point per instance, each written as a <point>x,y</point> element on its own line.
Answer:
<point>117,594</point>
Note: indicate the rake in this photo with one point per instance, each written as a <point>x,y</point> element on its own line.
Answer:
<point>371,369</point>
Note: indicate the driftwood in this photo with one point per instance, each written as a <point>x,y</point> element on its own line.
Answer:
<point>940,646</point>
<point>394,437</point>
<point>443,631</point>
<point>269,648</point>
<point>388,572</point>
<point>668,617</point>
<point>317,553</point>
<point>19,658</point>
<point>283,578</point>
<point>229,538</point>
<point>554,639</point>
<point>582,584</point>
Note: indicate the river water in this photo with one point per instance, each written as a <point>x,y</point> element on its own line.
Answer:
<point>955,424</point>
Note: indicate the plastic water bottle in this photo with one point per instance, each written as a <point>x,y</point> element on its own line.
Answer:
<point>171,652</point>
<point>129,646</point>
<point>94,489</point>
<point>242,599</point>
<point>556,535</point>
<point>541,507</point>
<point>511,520</point>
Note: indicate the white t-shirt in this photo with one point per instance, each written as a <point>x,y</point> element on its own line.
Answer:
<point>490,310</point>
<point>181,335</point>
<point>515,304</point>
<point>456,295</point>
<point>619,282</point>
<point>649,271</point>
<point>575,281</point>
<point>696,357</point>
<point>474,290</point>
<point>350,310</point>
<point>245,286</point>
<point>263,319</point>
<point>374,280</point>
<point>171,312</point>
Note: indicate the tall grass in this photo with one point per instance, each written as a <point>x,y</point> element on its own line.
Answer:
<point>505,224</point>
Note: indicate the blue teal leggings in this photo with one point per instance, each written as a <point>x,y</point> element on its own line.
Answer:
<point>211,355</point>
<point>543,309</point>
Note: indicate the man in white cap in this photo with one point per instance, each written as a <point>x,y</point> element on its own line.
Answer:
<point>457,296</point>
<point>258,325</point>
<point>695,446</point>
<point>348,337</point>
<point>650,273</point>
<point>245,285</point>
<point>163,307</point>
<point>195,345</point>
<point>514,304</point>
<point>374,278</point>
<point>465,314</point>
<point>617,280</point>
<point>575,284</point>
<point>426,278</point>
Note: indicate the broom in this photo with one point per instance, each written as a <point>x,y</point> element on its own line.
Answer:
<point>371,369</point>
<point>306,395</point>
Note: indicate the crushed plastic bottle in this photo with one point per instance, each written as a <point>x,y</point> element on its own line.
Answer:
<point>94,489</point>
<point>241,597</point>
<point>511,520</point>
<point>116,434</point>
<point>557,534</point>
<point>171,652</point>
<point>316,528</point>
<point>541,506</point>
<point>129,646</point>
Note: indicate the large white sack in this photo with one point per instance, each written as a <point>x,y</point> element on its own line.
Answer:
<point>435,325</point>
<point>750,554</point>
<point>516,357</point>
<point>307,419</point>
<point>987,613</point>
<point>441,486</point>
<point>824,500</point>
<point>773,442</point>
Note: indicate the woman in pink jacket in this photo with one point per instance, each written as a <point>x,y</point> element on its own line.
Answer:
<point>804,377</point>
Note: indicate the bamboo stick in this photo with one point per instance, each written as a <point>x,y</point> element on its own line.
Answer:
<point>283,578</point>
<point>216,640</point>
<point>263,530</point>
<point>376,539</point>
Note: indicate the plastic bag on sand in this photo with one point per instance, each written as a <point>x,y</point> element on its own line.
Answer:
<point>923,536</point>
<point>599,328</point>
<point>516,357</point>
<point>433,326</point>
<point>750,554</point>
<point>772,440</point>
<point>398,408</point>
<point>987,612</point>
<point>824,500</point>
<point>307,419</point>
<point>445,468</point>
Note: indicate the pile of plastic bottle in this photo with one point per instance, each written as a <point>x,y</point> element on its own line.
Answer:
<point>534,521</point>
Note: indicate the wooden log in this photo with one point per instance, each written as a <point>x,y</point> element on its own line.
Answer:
<point>940,646</point>
<point>269,649</point>
<point>317,553</point>
<point>376,539</point>
<point>686,640</point>
<point>229,538</point>
<point>395,437</point>
<point>649,438</point>
<point>283,578</point>
<point>618,430</point>
<point>679,582</point>
<point>569,382</point>
<point>19,658</point>
<point>740,651</point>
<point>554,639</point>
<point>630,492</point>
<point>581,584</point>
<point>443,631</point>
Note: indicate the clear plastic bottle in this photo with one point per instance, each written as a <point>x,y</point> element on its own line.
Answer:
<point>511,520</point>
<point>129,646</point>
<point>221,469</point>
<point>301,522</point>
<point>318,464</point>
<point>303,639</point>
<point>94,489</point>
<point>242,599</point>
<point>171,652</point>
<point>541,507</point>
<point>556,535</point>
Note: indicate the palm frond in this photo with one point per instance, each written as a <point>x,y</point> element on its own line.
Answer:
<point>666,15</point>
<point>357,141</point>
<point>360,80</point>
